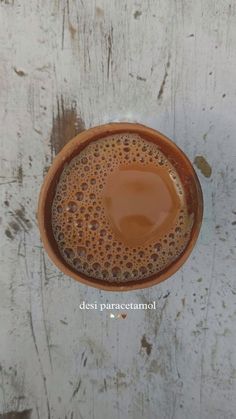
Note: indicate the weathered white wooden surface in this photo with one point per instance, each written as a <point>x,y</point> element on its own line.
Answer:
<point>66,65</point>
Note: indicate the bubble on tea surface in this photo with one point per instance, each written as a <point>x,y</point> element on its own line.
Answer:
<point>81,251</point>
<point>71,206</point>
<point>93,225</point>
<point>60,236</point>
<point>69,253</point>
<point>115,271</point>
<point>84,186</point>
<point>77,263</point>
<point>86,236</point>
<point>79,223</point>
<point>59,209</point>
<point>79,196</point>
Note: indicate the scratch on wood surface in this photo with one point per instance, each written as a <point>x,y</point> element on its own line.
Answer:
<point>155,317</point>
<point>166,295</point>
<point>63,28</point>
<point>157,367</point>
<point>109,55</point>
<point>37,410</point>
<point>33,334</point>
<point>40,362</point>
<point>19,73</point>
<point>105,384</point>
<point>20,174</point>
<point>72,30</point>
<point>161,90</point>
<point>19,223</point>
<point>137,14</point>
<point>141,78</point>
<point>207,132</point>
<point>8,2</point>
<point>43,68</point>
<point>20,215</point>
<point>43,265</point>
<point>205,326</point>
<point>160,318</point>
<point>146,345</point>
<point>24,414</point>
<point>8,182</point>
<point>99,12</point>
<point>15,227</point>
<point>76,390</point>
<point>176,344</point>
<point>66,125</point>
<point>9,234</point>
<point>119,382</point>
<point>99,353</point>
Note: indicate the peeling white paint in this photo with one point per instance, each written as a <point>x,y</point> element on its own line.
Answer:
<point>170,65</point>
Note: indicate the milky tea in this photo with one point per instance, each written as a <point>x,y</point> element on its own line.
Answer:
<point>119,213</point>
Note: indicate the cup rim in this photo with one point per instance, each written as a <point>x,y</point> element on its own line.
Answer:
<point>81,140</point>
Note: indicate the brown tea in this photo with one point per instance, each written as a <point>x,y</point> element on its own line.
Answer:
<point>119,211</point>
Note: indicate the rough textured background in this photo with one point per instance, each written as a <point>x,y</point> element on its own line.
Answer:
<point>67,65</point>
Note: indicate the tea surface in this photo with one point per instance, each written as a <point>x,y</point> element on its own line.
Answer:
<point>119,211</point>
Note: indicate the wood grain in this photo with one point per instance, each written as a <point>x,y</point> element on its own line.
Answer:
<point>69,65</point>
